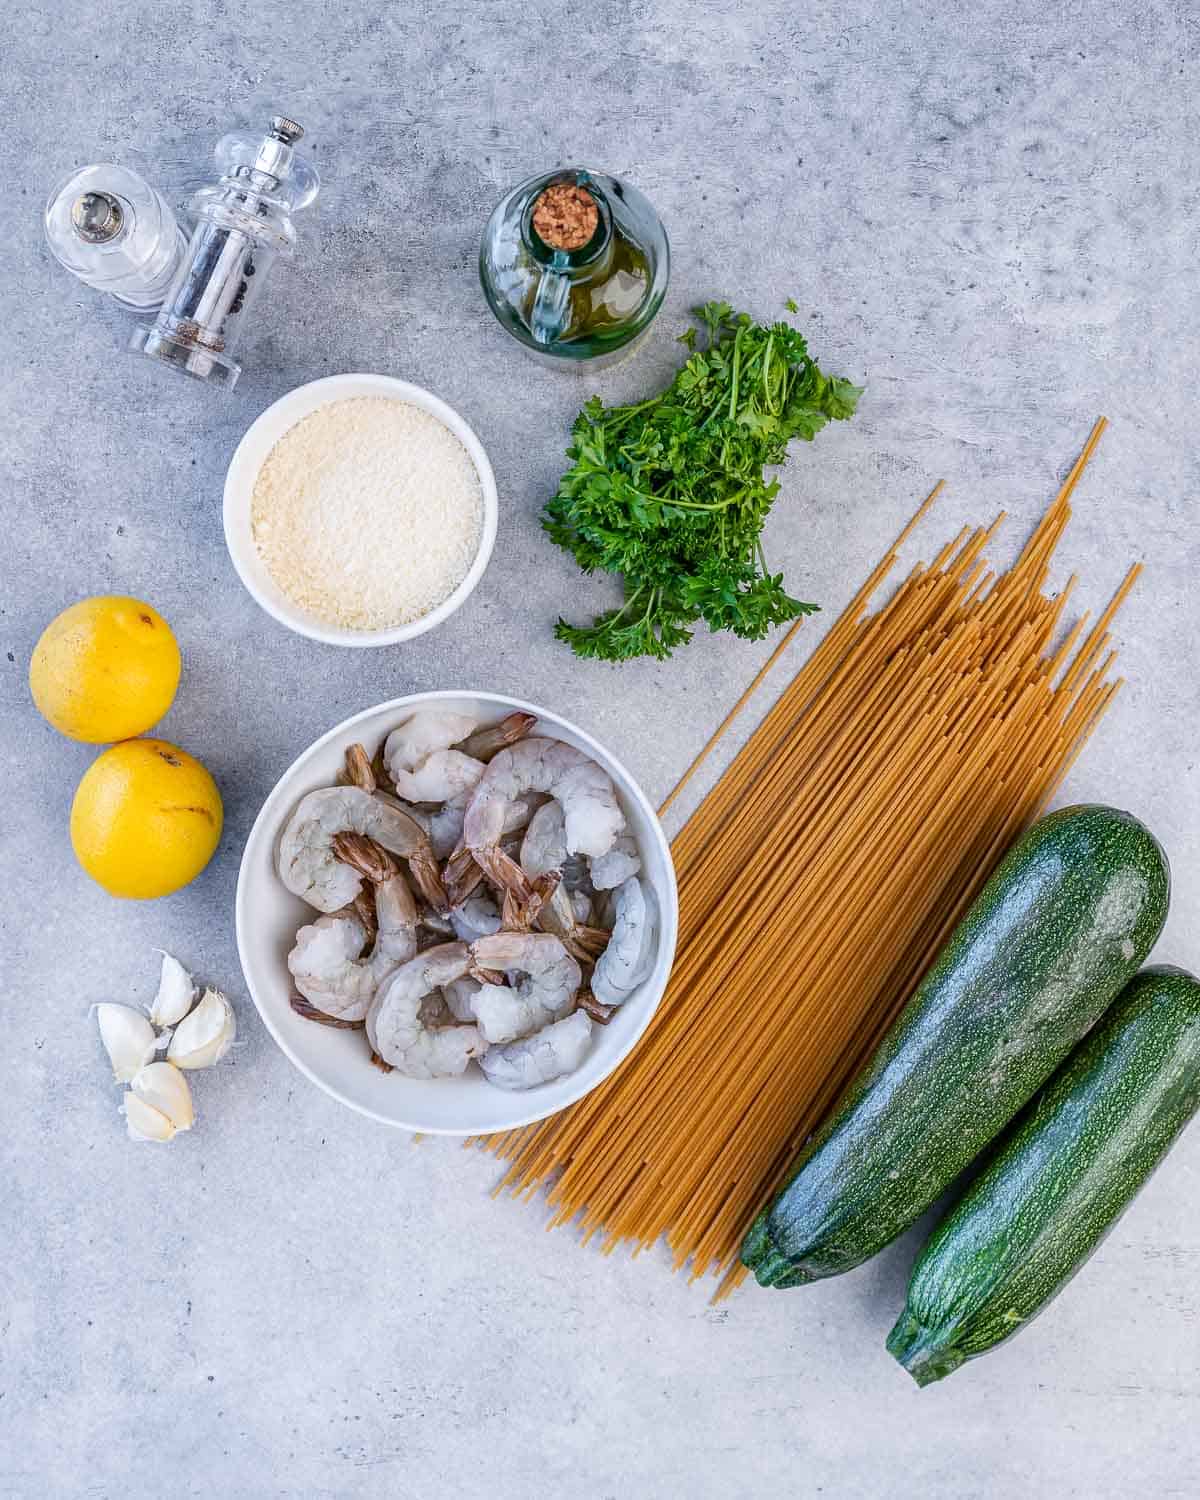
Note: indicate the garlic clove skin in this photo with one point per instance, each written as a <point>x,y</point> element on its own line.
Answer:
<point>128,1039</point>
<point>143,1122</point>
<point>204,1036</point>
<point>162,1087</point>
<point>176,991</point>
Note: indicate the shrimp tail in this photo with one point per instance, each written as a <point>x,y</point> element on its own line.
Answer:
<point>486,976</point>
<point>310,1012</point>
<point>523,907</point>
<point>485,743</point>
<point>428,879</point>
<point>365,856</point>
<point>587,942</point>
<point>503,871</point>
<point>359,772</point>
<point>588,1003</point>
<point>379,770</point>
<point>363,907</point>
<point>461,875</point>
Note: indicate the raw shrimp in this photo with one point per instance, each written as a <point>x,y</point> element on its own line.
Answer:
<point>543,851</point>
<point>592,816</point>
<point>309,867</point>
<point>545,994</point>
<point>548,1054</point>
<point>557,914</point>
<point>422,733</point>
<point>459,995</point>
<point>434,1010</point>
<point>325,961</point>
<point>544,846</point>
<point>445,825</point>
<point>477,917</point>
<point>614,868</point>
<point>443,775</point>
<point>629,955</point>
<point>396,1031</point>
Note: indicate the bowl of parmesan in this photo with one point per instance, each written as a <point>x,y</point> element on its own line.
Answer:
<point>360,510</point>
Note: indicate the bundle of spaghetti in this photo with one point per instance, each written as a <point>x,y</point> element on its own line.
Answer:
<point>818,880</point>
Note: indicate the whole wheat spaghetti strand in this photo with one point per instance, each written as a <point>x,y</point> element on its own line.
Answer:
<point>819,878</point>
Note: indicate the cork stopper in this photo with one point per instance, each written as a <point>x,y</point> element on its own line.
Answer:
<point>565,216</point>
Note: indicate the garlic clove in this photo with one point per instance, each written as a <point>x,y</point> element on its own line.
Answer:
<point>162,1087</point>
<point>176,991</point>
<point>143,1122</point>
<point>128,1039</point>
<point>203,1037</point>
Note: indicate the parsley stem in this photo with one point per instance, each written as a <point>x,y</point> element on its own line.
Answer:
<point>737,359</point>
<point>624,609</point>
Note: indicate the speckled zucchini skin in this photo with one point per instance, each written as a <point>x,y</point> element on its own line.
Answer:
<point>1070,1166</point>
<point>1065,921</point>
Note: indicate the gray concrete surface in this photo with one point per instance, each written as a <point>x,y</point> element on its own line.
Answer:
<point>989,213</point>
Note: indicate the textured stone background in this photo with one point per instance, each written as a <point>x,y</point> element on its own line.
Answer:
<point>988,212</point>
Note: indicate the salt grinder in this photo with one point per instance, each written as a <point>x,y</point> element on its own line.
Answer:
<point>110,228</point>
<point>243,222</point>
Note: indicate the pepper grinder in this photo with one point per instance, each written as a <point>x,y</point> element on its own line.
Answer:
<point>110,228</point>
<point>243,222</point>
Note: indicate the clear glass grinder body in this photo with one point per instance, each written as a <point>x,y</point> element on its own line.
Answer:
<point>243,222</point>
<point>111,229</point>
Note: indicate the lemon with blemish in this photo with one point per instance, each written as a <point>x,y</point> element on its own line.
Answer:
<point>146,819</point>
<point>105,669</point>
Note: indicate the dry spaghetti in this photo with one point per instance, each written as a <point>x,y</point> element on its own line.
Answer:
<point>819,879</point>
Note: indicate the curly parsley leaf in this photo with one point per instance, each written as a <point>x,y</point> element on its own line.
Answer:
<point>670,492</point>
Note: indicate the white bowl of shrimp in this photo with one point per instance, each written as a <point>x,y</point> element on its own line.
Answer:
<point>456,913</point>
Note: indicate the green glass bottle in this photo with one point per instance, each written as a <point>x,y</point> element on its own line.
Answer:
<point>574,264</point>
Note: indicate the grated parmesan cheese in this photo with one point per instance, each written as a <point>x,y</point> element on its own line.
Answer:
<point>367,513</point>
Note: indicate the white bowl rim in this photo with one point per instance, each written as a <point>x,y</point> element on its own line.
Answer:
<point>668,900</point>
<point>239,486</point>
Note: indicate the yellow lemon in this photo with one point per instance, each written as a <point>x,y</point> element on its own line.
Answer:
<point>146,819</point>
<point>105,669</point>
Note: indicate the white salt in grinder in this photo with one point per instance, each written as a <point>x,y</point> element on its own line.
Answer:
<point>243,222</point>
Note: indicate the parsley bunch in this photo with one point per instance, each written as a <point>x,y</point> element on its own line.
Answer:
<point>671,494</point>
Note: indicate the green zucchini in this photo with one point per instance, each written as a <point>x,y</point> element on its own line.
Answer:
<point>1067,1171</point>
<point>1065,920</point>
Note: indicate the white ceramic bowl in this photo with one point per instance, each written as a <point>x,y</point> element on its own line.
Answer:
<point>252,452</point>
<point>268,917</point>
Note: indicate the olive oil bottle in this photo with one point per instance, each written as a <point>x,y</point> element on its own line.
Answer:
<point>574,264</point>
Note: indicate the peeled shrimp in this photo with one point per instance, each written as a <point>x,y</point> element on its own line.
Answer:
<point>459,995</point>
<point>548,1054</point>
<point>591,814</point>
<point>395,1027</point>
<point>544,846</point>
<point>445,825</point>
<point>422,733</point>
<point>439,777</point>
<point>325,961</point>
<point>309,867</point>
<point>477,917</point>
<point>629,956</point>
<point>546,992</point>
<point>617,865</point>
<point>543,851</point>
